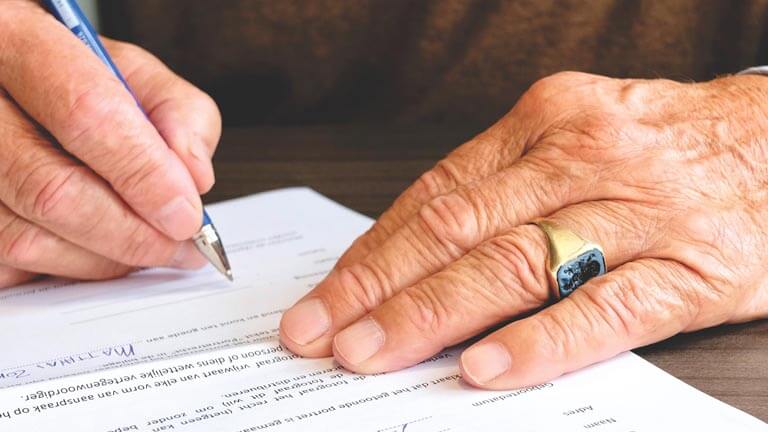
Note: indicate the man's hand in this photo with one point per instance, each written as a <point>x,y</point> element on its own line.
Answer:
<point>89,188</point>
<point>670,178</point>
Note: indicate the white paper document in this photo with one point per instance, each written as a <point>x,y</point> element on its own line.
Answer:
<point>165,350</point>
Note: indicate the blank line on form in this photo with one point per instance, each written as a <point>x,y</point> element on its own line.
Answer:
<point>159,305</point>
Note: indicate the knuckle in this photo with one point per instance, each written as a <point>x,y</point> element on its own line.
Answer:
<point>539,89</point>
<point>135,174</point>
<point>641,96</point>
<point>206,102</point>
<point>705,301</point>
<point>644,299</point>
<point>568,77</point>
<point>207,127</point>
<point>616,304</point>
<point>18,244</point>
<point>47,192</point>
<point>363,284</point>
<point>91,109</point>
<point>441,178</point>
<point>423,310</point>
<point>209,106</point>
<point>518,267</point>
<point>633,93</point>
<point>687,297</point>
<point>213,124</point>
<point>453,220</point>
<point>625,304</point>
<point>99,112</point>
<point>556,82</point>
<point>553,98</point>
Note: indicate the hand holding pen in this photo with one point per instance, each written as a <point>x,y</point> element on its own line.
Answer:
<point>91,187</point>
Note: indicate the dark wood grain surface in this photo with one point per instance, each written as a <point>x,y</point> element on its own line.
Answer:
<point>366,167</point>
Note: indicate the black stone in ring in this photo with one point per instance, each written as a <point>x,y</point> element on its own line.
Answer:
<point>579,270</point>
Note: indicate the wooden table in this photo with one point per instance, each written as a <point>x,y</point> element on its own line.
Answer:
<point>366,167</point>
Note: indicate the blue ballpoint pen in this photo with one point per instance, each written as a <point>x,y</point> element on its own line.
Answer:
<point>69,13</point>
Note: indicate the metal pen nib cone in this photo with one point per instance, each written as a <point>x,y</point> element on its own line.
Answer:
<point>209,244</point>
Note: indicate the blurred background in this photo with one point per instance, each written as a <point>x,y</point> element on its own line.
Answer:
<point>288,62</point>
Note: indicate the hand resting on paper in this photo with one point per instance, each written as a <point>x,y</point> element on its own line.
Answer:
<point>670,178</point>
<point>89,187</point>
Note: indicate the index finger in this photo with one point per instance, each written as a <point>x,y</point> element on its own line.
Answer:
<point>65,87</point>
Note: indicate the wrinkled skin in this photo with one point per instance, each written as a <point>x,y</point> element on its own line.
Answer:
<point>89,188</point>
<point>669,178</point>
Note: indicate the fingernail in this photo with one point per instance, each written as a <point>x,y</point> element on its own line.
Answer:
<point>179,218</point>
<point>485,362</point>
<point>306,321</point>
<point>360,341</point>
<point>188,257</point>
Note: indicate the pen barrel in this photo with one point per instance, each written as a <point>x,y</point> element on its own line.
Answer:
<point>68,12</point>
<point>206,218</point>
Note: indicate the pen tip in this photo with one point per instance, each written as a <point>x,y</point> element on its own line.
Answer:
<point>229,276</point>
